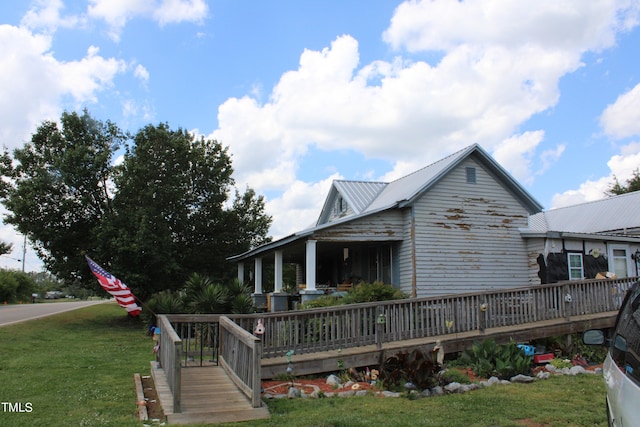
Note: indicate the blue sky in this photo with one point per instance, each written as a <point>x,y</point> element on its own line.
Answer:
<point>303,93</point>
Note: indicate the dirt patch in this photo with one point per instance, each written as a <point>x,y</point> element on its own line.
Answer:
<point>154,409</point>
<point>308,386</point>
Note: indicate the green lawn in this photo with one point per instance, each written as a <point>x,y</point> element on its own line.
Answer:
<point>76,369</point>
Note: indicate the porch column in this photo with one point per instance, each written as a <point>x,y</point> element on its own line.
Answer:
<point>277,276</point>
<point>310,293</point>
<point>259,299</point>
<point>311,265</point>
<point>258,276</point>
<point>241,272</point>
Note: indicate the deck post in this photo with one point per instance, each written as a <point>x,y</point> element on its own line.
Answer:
<point>379,326</point>
<point>482,315</point>
<point>566,304</point>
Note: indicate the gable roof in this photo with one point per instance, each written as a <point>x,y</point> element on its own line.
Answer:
<point>367,198</point>
<point>370,197</point>
<point>617,215</point>
<point>357,194</point>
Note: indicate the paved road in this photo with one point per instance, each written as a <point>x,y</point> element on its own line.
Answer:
<point>10,314</point>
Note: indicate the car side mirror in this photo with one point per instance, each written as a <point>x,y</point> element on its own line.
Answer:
<point>593,337</point>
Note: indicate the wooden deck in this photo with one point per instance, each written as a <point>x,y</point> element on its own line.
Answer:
<point>208,396</point>
<point>371,355</point>
<point>355,335</point>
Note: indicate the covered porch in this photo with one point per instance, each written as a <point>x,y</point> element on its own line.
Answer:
<point>298,270</point>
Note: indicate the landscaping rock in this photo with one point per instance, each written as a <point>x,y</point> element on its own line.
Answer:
<point>390,394</point>
<point>542,375</point>
<point>453,387</point>
<point>348,393</point>
<point>333,380</point>
<point>522,379</point>
<point>470,387</point>
<point>491,381</point>
<point>576,370</point>
<point>294,393</point>
<point>437,391</point>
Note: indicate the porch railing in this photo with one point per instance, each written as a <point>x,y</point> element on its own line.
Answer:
<point>355,325</point>
<point>228,340</point>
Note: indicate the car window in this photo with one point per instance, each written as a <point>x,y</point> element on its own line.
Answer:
<point>626,342</point>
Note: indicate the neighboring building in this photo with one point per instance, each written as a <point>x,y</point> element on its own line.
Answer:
<point>462,224</point>
<point>578,242</point>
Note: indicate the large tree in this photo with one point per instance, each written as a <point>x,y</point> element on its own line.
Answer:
<point>160,215</point>
<point>60,192</point>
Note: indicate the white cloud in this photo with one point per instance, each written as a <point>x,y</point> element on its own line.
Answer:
<point>500,65</point>
<point>116,13</point>
<point>622,168</point>
<point>622,118</point>
<point>517,151</point>
<point>619,120</point>
<point>567,26</point>
<point>45,15</point>
<point>297,208</point>
<point>171,11</point>
<point>35,85</point>
<point>141,73</point>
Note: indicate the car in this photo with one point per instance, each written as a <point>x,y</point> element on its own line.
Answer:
<point>53,295</point>
<point>621,369</point>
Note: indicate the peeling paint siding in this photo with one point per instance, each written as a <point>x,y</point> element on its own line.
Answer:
<point>467,236</point>
<point>535,247</point>
<point>385,226</point>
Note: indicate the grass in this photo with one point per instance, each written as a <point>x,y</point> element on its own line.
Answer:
<point>561,401</point>
<point>77,368</point>
<point>74,368</point>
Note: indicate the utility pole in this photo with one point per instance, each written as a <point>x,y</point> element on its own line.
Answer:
<point>24,251</point>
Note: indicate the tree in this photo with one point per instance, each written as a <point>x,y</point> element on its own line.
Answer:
<point>170,216</point>
<point>60,189</point>
<point>5,248</point>
<point>633,184</point>
<point>159,216</point>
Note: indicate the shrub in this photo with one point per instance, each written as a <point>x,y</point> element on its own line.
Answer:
<point>371,292</point>
<point>416,367</point>
<point>362,292</point>
<point>488,359</point>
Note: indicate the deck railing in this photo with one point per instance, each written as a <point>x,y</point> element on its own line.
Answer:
<point>355,325</point>
<point>213,339</point>
<point>169,355</point>
<point>240,355</point>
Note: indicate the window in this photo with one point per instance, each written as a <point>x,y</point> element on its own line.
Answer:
<point>471,175</point>
<point>620,263</point>
<point>340,206</point>
<point>575,266</point>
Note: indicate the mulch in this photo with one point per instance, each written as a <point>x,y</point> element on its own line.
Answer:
<point>308,386</point>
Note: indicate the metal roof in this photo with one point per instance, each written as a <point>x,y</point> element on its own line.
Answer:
<point>613,215</point>
<point>359,194</point>
<point>366,198</point>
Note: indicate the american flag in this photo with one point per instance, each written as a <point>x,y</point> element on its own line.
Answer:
<point>115,287</point>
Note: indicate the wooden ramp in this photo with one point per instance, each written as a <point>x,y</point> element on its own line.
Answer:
<point>208,396</point>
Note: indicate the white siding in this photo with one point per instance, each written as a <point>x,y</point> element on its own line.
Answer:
<point>467,235</point>
<point>385,226</point>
